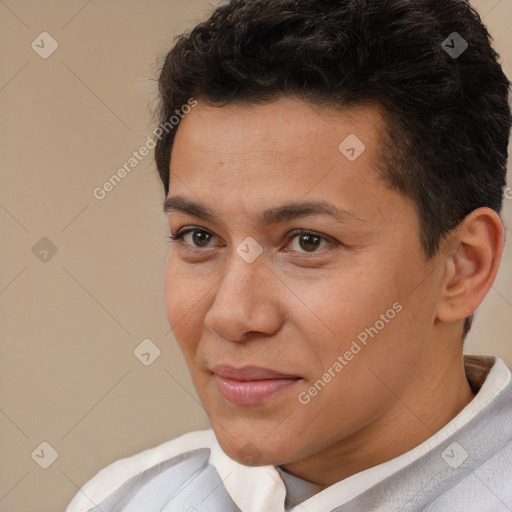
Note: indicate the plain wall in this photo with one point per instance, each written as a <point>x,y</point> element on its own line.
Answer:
<point>70,321</point>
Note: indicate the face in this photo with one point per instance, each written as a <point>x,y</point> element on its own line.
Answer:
<point>298,285</point>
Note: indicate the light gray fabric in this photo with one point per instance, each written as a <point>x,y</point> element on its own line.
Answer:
<point>185,483</point>
<point>297,489</point>
<point>481,483</point>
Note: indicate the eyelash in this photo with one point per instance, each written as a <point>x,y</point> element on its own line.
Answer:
<point>291,236</point>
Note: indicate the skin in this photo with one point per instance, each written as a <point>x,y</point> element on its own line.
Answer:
<point>295,310</point>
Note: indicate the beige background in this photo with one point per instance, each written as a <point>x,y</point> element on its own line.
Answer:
<point>69,325</point>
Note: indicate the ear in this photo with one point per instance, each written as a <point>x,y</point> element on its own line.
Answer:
<point>473,255</point>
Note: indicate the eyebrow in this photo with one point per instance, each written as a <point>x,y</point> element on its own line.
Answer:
<point>271,216</point>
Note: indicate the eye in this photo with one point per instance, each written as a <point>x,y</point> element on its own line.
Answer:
<point>306,241</point>
<point>194,237</point>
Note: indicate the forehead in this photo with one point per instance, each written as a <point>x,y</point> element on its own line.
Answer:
<point>249,156</point>
<point>287,126</point>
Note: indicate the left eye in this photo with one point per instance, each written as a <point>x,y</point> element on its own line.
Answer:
<point>307,242</point>
<point>198,238</point>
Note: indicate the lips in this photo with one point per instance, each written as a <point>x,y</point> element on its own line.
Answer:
<point>250,385</point>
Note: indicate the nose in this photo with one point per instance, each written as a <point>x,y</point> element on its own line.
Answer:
<point>246,302</point>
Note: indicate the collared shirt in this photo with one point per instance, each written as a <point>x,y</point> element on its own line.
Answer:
<point>464,467</point>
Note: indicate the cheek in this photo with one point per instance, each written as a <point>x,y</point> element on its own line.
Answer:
<point>334,311</point>
<point>383,330</point>
<point>364,314</point>
<point>185,300</point>
<point>172,290</point>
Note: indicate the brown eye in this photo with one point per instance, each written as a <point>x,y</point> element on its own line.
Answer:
<point>310,243</point>
<point>200,238</point>
<point>307,242</point>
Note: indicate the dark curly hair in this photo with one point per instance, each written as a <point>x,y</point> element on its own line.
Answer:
<point>448,116</point>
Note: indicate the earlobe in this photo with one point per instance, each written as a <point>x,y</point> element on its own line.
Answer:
<point>472,262</point>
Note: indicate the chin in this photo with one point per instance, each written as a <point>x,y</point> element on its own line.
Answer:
<point>251,451</point>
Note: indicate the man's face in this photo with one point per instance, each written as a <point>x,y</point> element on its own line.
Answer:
<point>300,297</point>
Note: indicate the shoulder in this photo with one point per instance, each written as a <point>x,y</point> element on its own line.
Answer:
<point>182,455</point>
<point>488,488</point>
